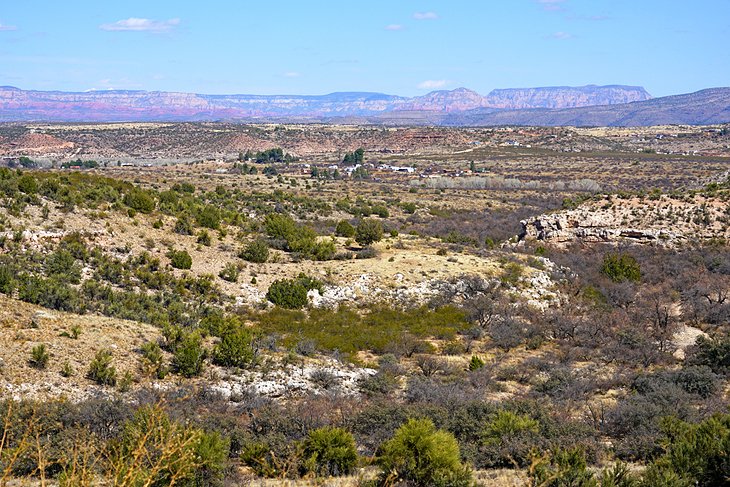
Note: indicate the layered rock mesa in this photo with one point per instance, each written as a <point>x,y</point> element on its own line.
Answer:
<point>120,105</point>
<point>705,107</point>
<point>565,96</point>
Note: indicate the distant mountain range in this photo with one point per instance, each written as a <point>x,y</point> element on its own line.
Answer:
<point>586,105</point>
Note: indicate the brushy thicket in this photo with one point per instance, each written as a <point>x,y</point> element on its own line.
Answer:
<point>620,310</point>
<point>381,329</point>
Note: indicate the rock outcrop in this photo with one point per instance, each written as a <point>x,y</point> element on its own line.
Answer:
<point>562,228</point>
<point>664,221</point>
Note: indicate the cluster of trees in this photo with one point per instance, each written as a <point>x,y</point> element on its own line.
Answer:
<point>325,173</point>
<point>90,164</point>
<point>301,240</point>
<point>267,156</point>
<point>354,158</point>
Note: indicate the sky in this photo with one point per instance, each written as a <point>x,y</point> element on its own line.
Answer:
<point>401,47</point>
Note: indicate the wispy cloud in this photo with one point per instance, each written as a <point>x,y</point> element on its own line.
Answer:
<point>292,74</point>
<point>592,18</point>
<point>552,5</point>
<point>425,16</point>
<point>432,84</point>
<point>5,28</point>
<point>394,27</point>
<point>561,36</point>
<point>134,24</point>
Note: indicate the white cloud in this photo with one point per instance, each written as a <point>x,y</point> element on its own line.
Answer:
<point>134,24</point>
<point>552,5</point>
<point>4,27</point>
<point>432,84</point>
<point>292,74</point>
<point>561,36</point>
<point>425,16</point>
<point>394,27</point>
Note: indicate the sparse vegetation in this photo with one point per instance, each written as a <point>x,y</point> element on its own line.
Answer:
<point>549,360</point>
<point>101,369</point>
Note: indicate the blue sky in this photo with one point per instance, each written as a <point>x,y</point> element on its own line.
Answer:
<point>404,47</point>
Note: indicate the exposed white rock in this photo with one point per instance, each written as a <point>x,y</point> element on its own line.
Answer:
<point>292,380</point>
<point>684,338</point>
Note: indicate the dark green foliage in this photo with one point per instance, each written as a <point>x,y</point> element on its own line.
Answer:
<point>90,164</point>
<point>368,232</point>
<point>354,158</point>
<point>329,452</point>
<point>209,217</point>
<point>621,267</point>
<point>507,423</point>
<point>229,272</point>
<point>67,370</point>
<point>189,355</point>
<point>475,363</point>
<point>272,457</point>
<point>344,229</point>
<point>180,259</point>
<point>256,251</point>
<point>360,173</point>
<point>39,356</point>
<point>28,184</point>
<point>455,237</point>
<point>183,226</point>
<point>381,329</point>
<point>139,200</point>
<point>61,264</point>
<point>101,369</point>
<point>204,238</point>
<point>323,250</point>
<point>297,238</point>
<point>564,468</point>
<point>711,352</point>
<point>421,455</point>
<point>287,294</point>
<point>211,454</point>
<point>279,226</point>
<point>75,244</point>
<point>409,207</point>
<point>7,280</point>
<point>155,450</point>
<point>27,162</point>
<point>270,155</point>
<point>292,293</point>
<point>695,454</point>
<point>154,361</point>
<point>50,293</point>
<point>184,188</point>
<point>236,348</point>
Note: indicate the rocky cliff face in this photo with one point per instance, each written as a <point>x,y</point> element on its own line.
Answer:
<point>564,97</point>
<point>20,105</point>
<point>456,100</point>
<point>570,227</point>
<point>664,221</point>
<point>705,107</point>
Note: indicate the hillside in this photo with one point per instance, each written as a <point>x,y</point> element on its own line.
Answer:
<point>121,105</point>
<point>703,107</point>
<point>249,306</point>
<point>564,96</point>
